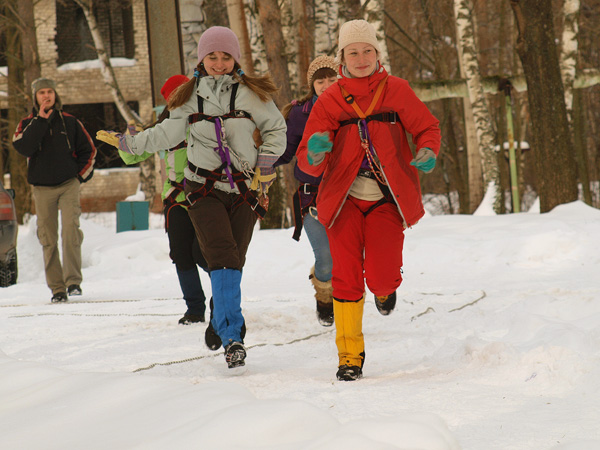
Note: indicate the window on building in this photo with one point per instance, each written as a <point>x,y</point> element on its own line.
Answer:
<point>74,40</point>
<point>102,116</point>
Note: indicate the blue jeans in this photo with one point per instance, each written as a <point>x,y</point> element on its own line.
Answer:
<point>317,236</point>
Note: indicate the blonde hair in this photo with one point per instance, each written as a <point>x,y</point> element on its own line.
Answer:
<point>263,86</point>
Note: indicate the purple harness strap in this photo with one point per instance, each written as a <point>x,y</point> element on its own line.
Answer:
<point>223,151</point>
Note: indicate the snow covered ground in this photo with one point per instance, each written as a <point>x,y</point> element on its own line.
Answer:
<point>494,345</point>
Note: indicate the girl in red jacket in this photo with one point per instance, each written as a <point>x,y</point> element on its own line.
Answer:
<point>356,139</point>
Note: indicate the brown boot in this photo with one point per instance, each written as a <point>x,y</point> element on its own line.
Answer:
<point>324,297</point>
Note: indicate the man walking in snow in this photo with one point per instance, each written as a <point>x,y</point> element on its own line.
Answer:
<point>61,156</point>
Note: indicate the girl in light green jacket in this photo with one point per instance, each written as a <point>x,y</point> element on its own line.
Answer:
<point>217,112</point>
<point>183,245</point>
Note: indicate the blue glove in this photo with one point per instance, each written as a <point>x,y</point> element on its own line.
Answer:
<point>425,160</point>
<point>318,144</point>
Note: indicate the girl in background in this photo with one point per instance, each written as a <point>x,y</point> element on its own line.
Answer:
<point>322,73</point>
<point>183,245</point>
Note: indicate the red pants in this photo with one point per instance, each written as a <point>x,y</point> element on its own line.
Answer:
<point>366,248</point>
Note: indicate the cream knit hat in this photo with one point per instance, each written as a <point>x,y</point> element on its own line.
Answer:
<point>318,63</point>
<point>355,31</point>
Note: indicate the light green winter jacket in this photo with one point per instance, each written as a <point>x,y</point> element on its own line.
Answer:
<point>175,163</point>
<point>201,136</point>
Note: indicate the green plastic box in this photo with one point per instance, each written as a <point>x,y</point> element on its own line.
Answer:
<point>132,216</point>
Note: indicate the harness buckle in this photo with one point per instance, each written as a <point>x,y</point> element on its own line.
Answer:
<point>304,188</point>
<point>187,198</point>
<point>393,115</point>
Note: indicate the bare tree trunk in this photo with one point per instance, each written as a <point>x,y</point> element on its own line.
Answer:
<point>270,20</point>
<point>552,145</point>
<point>106,68</point>
<point>349,10</point>
<point>31,58</point>
<point>568,71</point>
<point>374,15</point>
<point>452,160</point>
<point>483,122</point>
<point>17,104</point>
<point>303,40</point>
<point>237,21</point>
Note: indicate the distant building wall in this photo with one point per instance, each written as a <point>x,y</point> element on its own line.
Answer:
<point>109,186</point>
<point>80,86</point>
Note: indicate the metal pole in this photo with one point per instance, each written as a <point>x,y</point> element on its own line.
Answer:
<point>514,181</point>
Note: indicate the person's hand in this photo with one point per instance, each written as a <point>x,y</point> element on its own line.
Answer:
<point>264,172</point>
<point>262,182</point>
<point>425,160</point>
<point>318,144</point>
<point>46,109</point>
<point>115,139</point>
<point>133,128</point>
<point>110,137</point>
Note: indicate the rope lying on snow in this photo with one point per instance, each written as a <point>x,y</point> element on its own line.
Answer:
<point>197,358</point>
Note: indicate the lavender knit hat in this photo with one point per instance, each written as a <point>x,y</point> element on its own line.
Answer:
<point>219,39</point>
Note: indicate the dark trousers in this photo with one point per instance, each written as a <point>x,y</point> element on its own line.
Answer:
<point>224,230</point>
<point>183,244</point>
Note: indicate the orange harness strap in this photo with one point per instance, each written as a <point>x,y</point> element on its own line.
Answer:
<point>350,99</point>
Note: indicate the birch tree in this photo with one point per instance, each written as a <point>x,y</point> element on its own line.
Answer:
<point>481,115</point>
<point>326,26</point>
<point>106,68</point>
<point>237,22</point>
<point>192,23</point>
<point>568,71</point>
<point>568,54</point>
<point>373,13</point>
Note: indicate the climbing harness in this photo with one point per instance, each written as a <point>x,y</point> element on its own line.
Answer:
<point>310,208</point>
<point>224,173</point>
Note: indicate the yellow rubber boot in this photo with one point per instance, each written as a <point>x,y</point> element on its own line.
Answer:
<point>349,337</point>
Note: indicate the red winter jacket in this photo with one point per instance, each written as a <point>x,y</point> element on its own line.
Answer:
<point>341,165</point>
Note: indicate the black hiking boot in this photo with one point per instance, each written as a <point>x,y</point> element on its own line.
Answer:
<point>325,314</point>
<point>386,303</point>
<point>74,289</point>
<point>191,318</point>
<point>59,297</point>
<point>235,355</point>
<point>211,338</point>
<point>348,373</point>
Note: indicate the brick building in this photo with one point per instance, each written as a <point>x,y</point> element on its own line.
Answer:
<point>68,56</point>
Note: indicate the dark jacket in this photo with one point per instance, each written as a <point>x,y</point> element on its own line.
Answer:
<point>296,122</point>
<point>59,148</point>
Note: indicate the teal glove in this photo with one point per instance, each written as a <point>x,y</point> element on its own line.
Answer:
<point>318,144</point>
<point>425,160</point>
